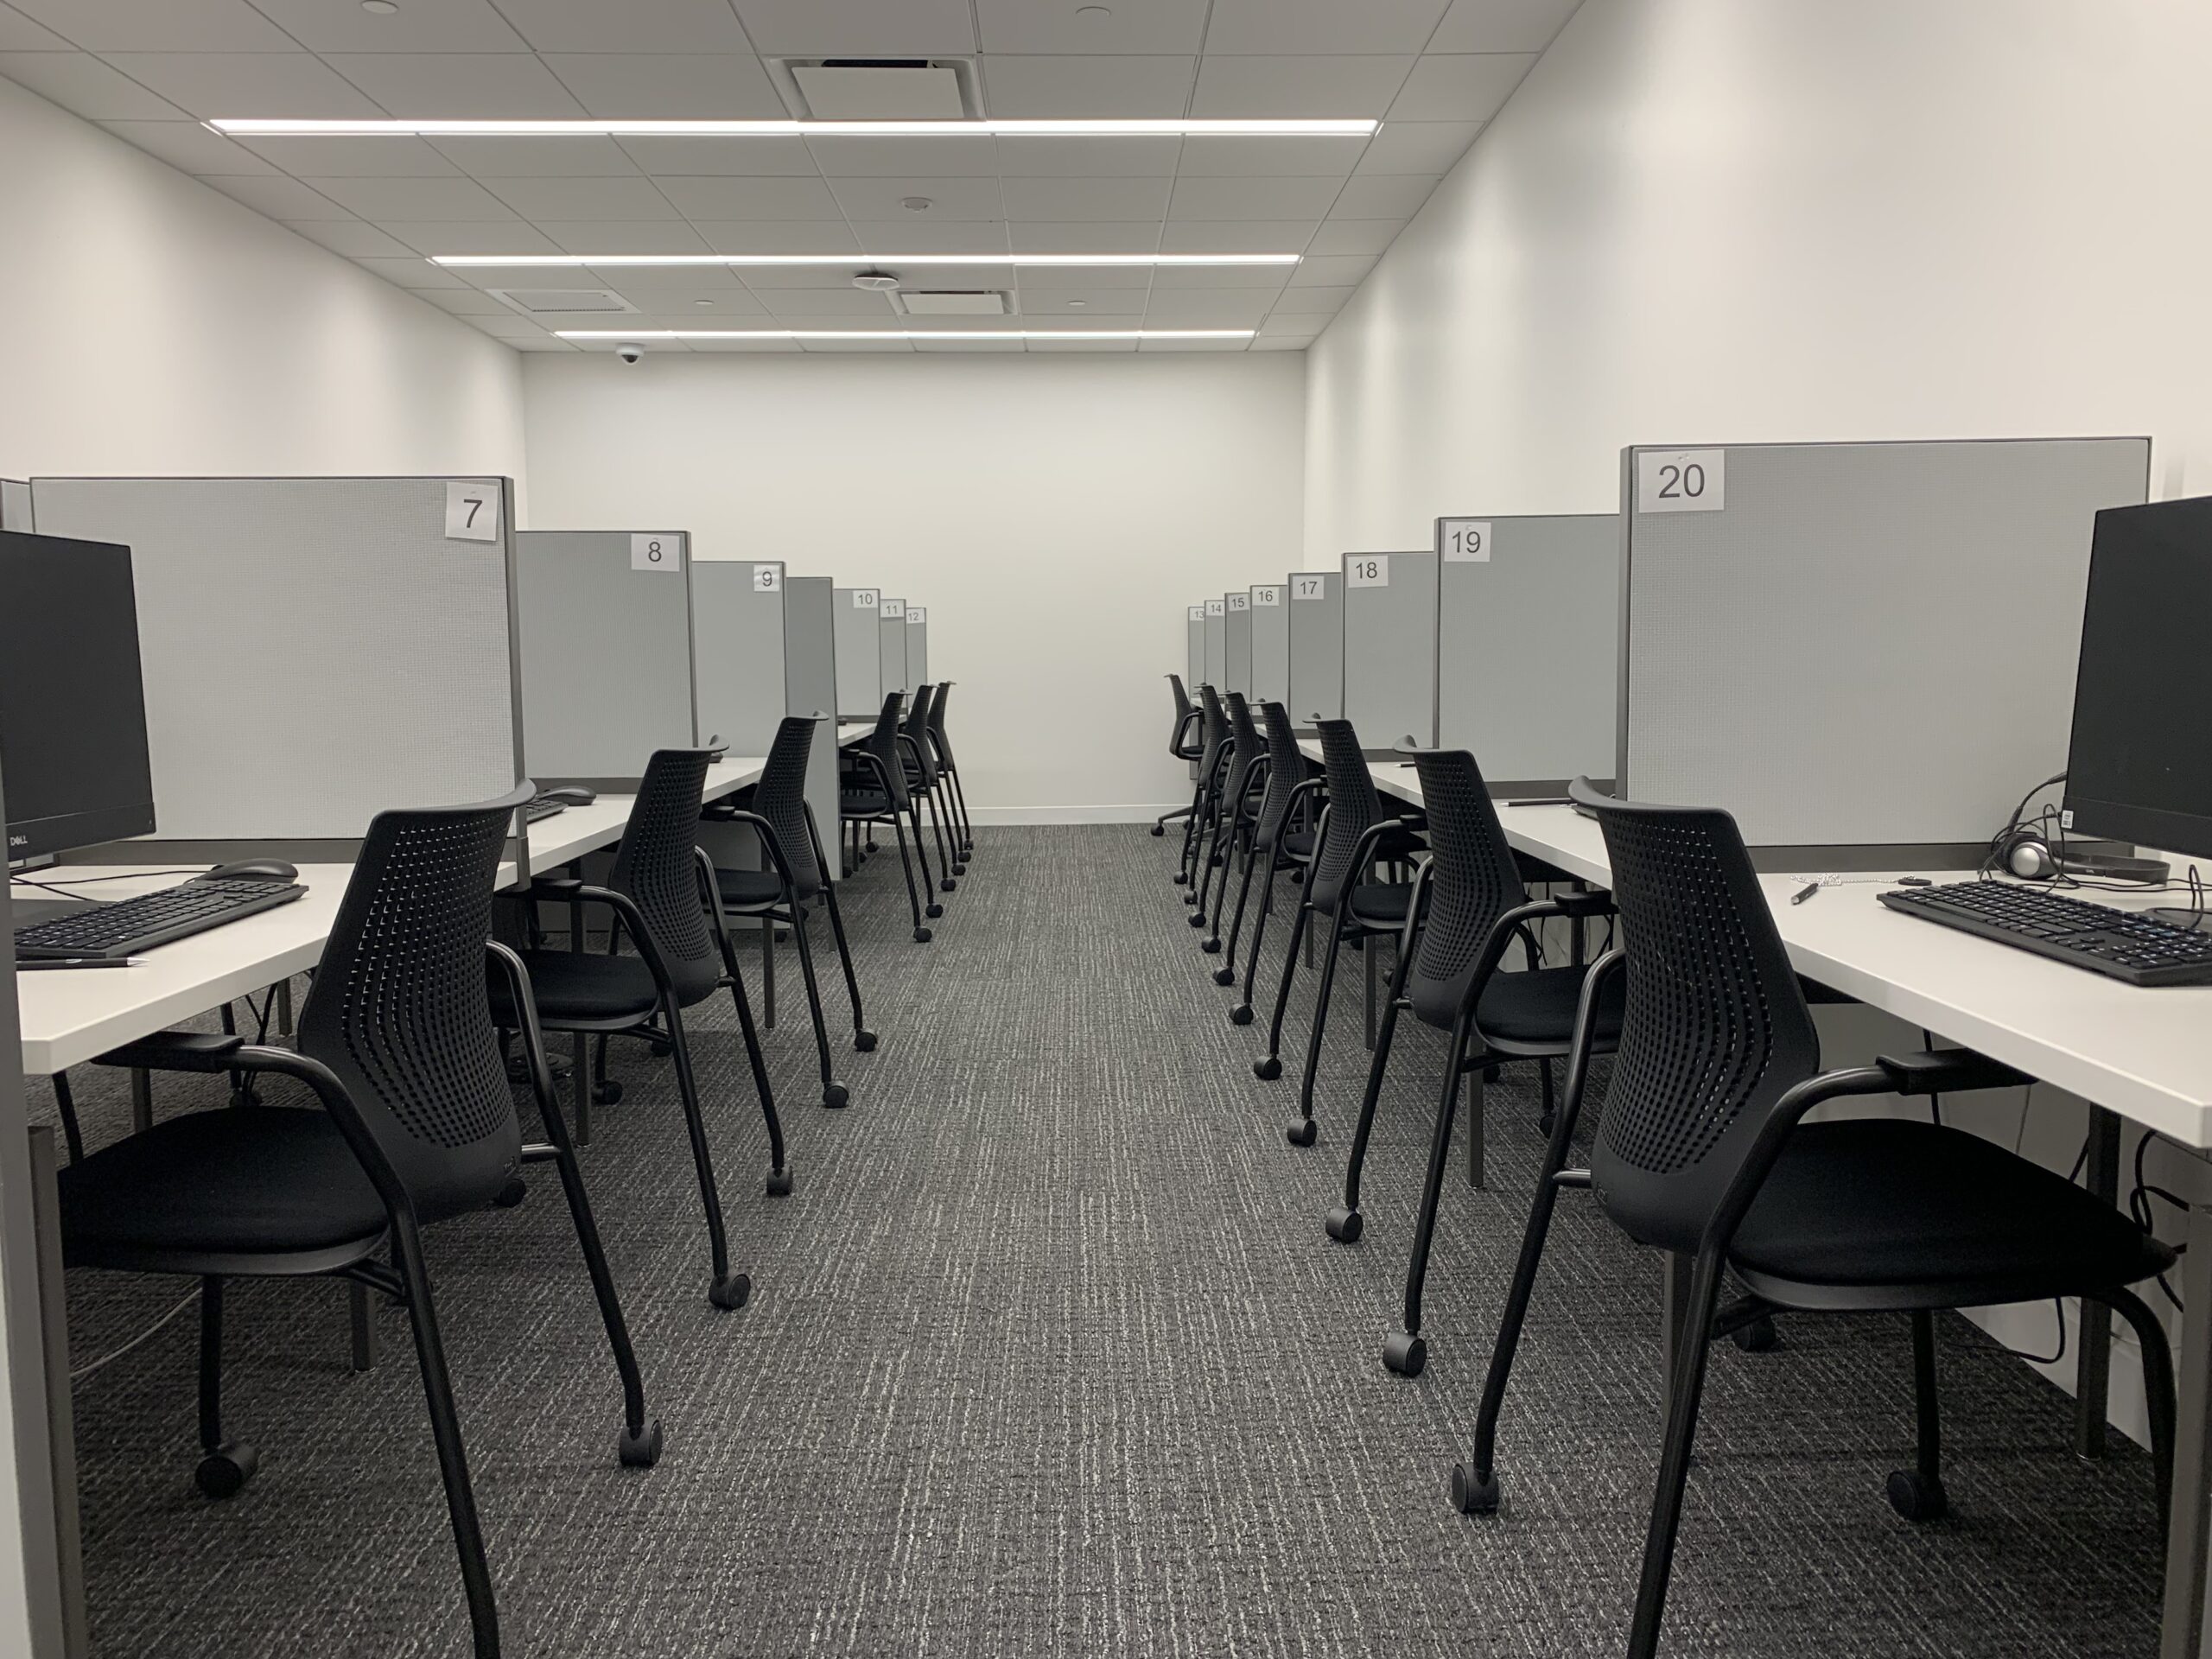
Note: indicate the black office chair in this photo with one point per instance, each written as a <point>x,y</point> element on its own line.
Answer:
<point>1247,768</point>
<point>873,790</point>
<point>1356,835</point>
<point>1213,726</point>
<point>1701,1152</point>
<point>654,891</point>
<point>416,1125</point>
<point>796,874</point>
<point>1471,897</point>
<point>956,792</point>
<point>1273,835</point>
<point>1183,743</point>
<point>924,781</point>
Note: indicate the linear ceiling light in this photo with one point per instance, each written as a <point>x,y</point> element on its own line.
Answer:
<point>610,260</point>
<point>260,128</point>
<point>903,334</point>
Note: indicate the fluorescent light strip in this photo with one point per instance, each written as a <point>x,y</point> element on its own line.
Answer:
<point>903,334</point>
<point>860,261</point>
<point>259,128</point>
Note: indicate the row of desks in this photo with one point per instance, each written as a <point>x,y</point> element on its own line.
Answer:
<point>2145,1054</point>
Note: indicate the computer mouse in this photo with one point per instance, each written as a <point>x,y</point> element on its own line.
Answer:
<point>254,869</point>
<point>571,795</point>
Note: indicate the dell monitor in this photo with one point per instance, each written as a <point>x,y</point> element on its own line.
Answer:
<point>2140,766</point>
<point>73,709</point>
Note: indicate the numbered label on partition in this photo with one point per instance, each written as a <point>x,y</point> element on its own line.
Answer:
<point>864,599</point>
<point>1215,607</point>
<point>1309,588</point>
<point>1464,541</point>
<point>1267,599</point>
<point>1240,603</point>
<point>1367,571</point>
<point>656,553</point>
<point>767,578</point>
<point>473,512</point>
<point>1198,613</point>
<point>891,609</point>
<point>917,613</point>
<point>1681,480</point>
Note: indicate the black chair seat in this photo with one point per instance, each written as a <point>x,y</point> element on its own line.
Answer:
<point>244,1181</point>
<point>1534,1012</point>
<point>1299,844</point>
<point>577,985</point>
<point>749,889</point>
<point>1382,905</point>
<point>863,803</point>
<point>1893,1212</point>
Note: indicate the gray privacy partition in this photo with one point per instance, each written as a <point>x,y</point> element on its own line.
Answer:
<point>1236,642</point>
<point>1270,680</point>
<point>14,503</point>
<point>1389,602</point>
<point>918,645</point>
<point>860,655</point>
<point>891,645</point>
<point>1317,646</point>
<point>738,633</point>
<point>316,649</point>
<point>1217,643</point>
<point>1524,606</point>
<point>1194,647</point>
<point>1857,646</point>
<point>810,678</point>
<point>604,619</point>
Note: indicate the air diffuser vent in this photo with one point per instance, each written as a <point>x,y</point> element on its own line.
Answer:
<point>879,89</point>
<point>972,302</point>
<point>534,300</point>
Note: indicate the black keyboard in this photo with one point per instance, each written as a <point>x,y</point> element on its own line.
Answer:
<point>541,807</point>
<point>2140,949</point>
<point>130,925</point>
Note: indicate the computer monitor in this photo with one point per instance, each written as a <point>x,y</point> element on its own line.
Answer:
<point>72,706</point>
<point>2140,766</point>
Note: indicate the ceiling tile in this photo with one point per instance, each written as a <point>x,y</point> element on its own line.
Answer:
<point>625,236</point>
<point>1127,26</point>
<point>846,302</point>
<point>1295,157</point>
<point>1319,26</point>
<point>1391,196</point>
<point>1265,343</point>
<point>942,277</point>
<point>1074,302</point>
<point>431,86</point>
<point>882,236</point>
<point>537,158</point>
<point>1268,276</point>
<point>731,302</point>
<point>432,236</point>
<point>1293,327</point>
<point>413,273</point>
<point>735,157</point>
<point>1064,199</point>
<point>1321,301</point>
<point>766,280</point>
<point>1208,308</point>
<point>511,327</point>
<point>190,147</point>
<point>1059,346</point>
<point>1154,347</point>
<point>466,302</point>
<point>546,344</point>
<point>19,34</point>
<point>443,26</point>
<point>1237,236</point>
<point>900,347</point>
<point>648,87</point>
<point>1089,158</point>
<point>1139,278</point>
<point>159,25</point>
<point>631,26</point>
<point>1077,88</point>
<point>870,29</point>
<point>943,348</point>
<point>586,197</point>
<point>1427,147</point>
<point>1467,87</point>
<point>1327,270</point>
<point>777,235</point>
<point>710,346</point>
<point>1096,236</point>
<point>384,157</point>
<point>1363,237</point>
<point>279,198</point>
<point>83,85</point>
<point>954,156</point>
<point>420,199</point>
<point>351,237</point>
<point>1275,199</point>
<point>246,83</point>
<point>635,283</point>
<point>1501,25</point>
<point>1321,87</point>
<point>735,198</point>
<point>949,199</point>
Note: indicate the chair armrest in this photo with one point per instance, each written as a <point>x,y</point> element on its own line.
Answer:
<point>1781,1123</point>
<point>177,1051</point>
<point>763,829</point>
<point>1598,903</point>
<point>561,888</point>
<point>1363,850</point>
<point>1948,1071</point>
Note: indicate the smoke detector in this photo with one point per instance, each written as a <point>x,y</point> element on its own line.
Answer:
<point>876,282</point>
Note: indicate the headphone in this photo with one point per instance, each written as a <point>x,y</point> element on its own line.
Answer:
<point>2022,848</point>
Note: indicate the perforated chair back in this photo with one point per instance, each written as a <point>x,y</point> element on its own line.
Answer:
<point>657,865</point>
<point>1286,771</point>
<point>780,798</point>
<point>1246,746</point>
<point>1176,746</point>
<point>944,750</point>
<point>1473,880</point>
<point>1353,807</point>
<point>399,1011</point>
<point>1214,727</point>
<point>1716,1027</point>
<point>918,728</point>
<point>883,744</point>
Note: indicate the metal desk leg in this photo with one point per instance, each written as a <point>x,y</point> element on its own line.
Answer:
<point>59,1601</point>
<point>141,1100</point>
<point>283,1008</point>
<point>2182,1629</point>
<point>2093,1374</point>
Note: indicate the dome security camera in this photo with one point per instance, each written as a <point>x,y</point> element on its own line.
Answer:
<point>629,351</point>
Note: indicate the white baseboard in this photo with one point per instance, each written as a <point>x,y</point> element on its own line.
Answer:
<point>1139,814</point>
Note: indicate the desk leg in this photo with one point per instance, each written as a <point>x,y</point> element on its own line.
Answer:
<point>2093,1374</point>
<point>361,1316</point>
<point>2190,1533</point>
<point>67,1556</point>
<point>283,1008</point>
<point>141,1100</point>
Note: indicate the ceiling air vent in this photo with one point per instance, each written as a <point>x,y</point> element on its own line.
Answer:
<point>879,89</point>
<point>945,302</point>
<point>532,301</point>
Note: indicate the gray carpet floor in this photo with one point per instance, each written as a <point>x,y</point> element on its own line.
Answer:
<point>1048,1355</point>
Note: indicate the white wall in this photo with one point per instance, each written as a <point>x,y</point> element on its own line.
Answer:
<point>1055,513</point>
<point>154,326</point>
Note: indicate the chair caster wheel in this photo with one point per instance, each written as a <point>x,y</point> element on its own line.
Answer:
<point>1405,1353</point>
<point>1472,1494</point>
<point>512,1194</point>
<point>1212,947</point>
<point>921,935</point>
<point>1267,1068</point>
<point>934,911</point>
<point>1544,1121</point>
<point>779,1183</point>
<point>961,868</point>
<point>732,1290</point>
<point>1224,976</point>
<point>1916,1498</point>
<point>1758,1337</point>
<point>1240,1014</point>
<point>1344,1226</point>
<point>1197,919</point>
<point>833,1095</point>
<point>224,1471</point>
<point>948,884</point>
<point>606,1093</point>
<point>864,1041</point>
<point>1158,830</point>
<point>640,1448</point>
<point>1301,1131</point>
